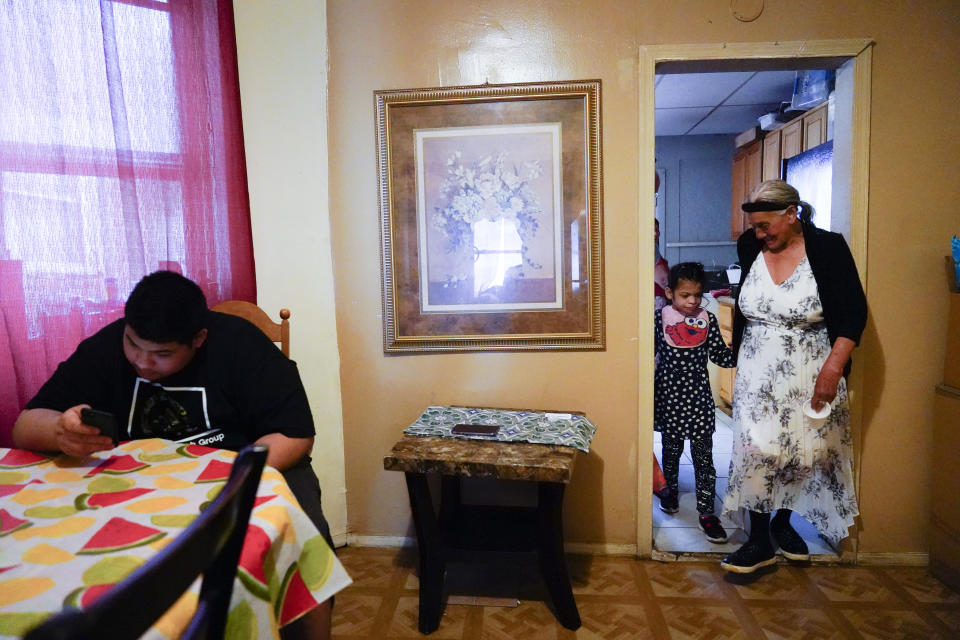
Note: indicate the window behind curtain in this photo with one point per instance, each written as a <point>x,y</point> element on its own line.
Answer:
<point>121,153</point>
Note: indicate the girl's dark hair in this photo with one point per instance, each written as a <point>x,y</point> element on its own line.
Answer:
<point>166,307</point>
<point>692,271</point>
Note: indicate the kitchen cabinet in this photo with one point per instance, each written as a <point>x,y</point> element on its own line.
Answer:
<point>791,138</point>
<point>772,160</point>
<point>815,127</point>
<point>746,174</point>
<point>725,377</point>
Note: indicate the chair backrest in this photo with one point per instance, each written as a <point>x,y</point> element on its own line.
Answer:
<point>210,545</point>
<point>276,331</point>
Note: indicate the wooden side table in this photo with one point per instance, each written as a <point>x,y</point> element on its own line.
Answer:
<point>459,527</point>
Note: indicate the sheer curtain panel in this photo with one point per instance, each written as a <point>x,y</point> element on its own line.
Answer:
<point>121,152</point>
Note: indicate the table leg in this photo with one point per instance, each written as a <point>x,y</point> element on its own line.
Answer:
<point>449,506</point>
<point>553,564</point>
<point>429,549</point>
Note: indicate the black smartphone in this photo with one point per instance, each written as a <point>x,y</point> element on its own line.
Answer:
<point>103,420</point>
<point>488,430</point>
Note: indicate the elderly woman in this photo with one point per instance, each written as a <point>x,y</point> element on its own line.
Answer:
<point>799,314</point>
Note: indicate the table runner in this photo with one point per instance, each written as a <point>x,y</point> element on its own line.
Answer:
<point>539,427</point>
<point>70,529</point>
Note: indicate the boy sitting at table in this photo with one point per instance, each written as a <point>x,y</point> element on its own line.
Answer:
<point>173,369</point>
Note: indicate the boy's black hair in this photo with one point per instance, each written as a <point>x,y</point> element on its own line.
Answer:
<point>692,271</point>
<point>166,307</point>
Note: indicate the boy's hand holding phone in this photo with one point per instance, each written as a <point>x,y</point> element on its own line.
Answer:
<point>102,420</point>
<point>77,439</point>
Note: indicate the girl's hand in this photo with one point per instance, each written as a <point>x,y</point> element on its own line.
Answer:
<point>825,389</point>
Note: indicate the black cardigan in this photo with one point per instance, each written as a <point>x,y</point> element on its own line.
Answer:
<point>841,294</point>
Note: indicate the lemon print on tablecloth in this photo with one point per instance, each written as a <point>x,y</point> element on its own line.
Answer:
<point>17,624</point>
<point>153,505</point>
<point>177,617</point>
<point>19,589</point>
<point>279,517</point>
<point>46,554</point>
<point>169,482</point>
<point>63,475</point>
<point>60,529</point>
<point>111,570</point>
<point>151,444</point>
<point>316,563</point>
<point>166,469</point>
<point>173,519</point>
<point>283,489</point>
<point>159,457</point>
<point>109,484</point>
<point>13,477</point>
<point>269,475</point>
<point>29,496</point>
<point>241,622</point>
<point>45,511</point>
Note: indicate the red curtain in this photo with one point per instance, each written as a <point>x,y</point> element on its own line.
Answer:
<point>121,152</point>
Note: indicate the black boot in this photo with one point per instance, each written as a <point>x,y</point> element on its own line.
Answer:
<point>757,551</point>
<point>791,544</point>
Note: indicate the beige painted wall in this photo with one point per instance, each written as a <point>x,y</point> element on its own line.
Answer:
<point>282,56</point>
<point>382,44</point>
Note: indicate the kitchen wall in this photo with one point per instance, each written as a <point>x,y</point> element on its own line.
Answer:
<point>382,44</point>
<point>696,175</point>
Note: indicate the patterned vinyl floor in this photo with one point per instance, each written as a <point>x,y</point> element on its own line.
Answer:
<point>624,598</point>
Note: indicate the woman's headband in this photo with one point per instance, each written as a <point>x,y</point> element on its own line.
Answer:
<point>765,205</point>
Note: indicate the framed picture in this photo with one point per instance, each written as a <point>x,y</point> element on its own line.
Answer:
<point>490,217</point>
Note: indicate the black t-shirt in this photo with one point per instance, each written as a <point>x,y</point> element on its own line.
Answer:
<point>238,387</point>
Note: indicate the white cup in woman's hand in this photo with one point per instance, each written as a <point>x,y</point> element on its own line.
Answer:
<point>813,414</point>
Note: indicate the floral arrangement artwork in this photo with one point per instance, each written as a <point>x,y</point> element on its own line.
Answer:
<point>488,190</point>
<point>490,217</point>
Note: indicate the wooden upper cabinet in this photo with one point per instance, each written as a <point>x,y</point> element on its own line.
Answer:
<point>771,155</point>
<point>791,138</point>
<point>746,174</point>
<point>815,127</point>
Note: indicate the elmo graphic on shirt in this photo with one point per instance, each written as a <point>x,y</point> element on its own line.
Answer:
<point>689,332</point>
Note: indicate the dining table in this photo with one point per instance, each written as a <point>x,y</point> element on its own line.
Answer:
<point>72,528</point>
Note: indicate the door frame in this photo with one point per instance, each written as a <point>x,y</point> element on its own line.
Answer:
<point>860,50</point>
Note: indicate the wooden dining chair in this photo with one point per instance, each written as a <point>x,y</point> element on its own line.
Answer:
<point>210,545</point>
<point>276,331</point>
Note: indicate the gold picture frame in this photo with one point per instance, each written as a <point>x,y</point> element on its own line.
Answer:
<point>491,217</point>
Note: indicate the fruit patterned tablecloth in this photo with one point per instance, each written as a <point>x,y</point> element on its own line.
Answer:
<point>70,529</point>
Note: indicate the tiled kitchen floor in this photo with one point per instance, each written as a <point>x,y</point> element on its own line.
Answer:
<point>680,533</point>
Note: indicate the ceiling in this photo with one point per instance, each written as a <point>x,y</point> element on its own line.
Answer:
<point>709,103</point>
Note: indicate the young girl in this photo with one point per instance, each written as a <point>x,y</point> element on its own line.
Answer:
<point>685,336</point>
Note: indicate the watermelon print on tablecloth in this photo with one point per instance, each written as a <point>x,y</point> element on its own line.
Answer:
<point>16,458</point>
<point>120,534</point>
<point>10,523</point>
<point>259,500</point>
<point>10,489</point>
<point>295,599</point>
<point>256,546</point>
<point>215,471</point>
<point>83,597</point>
<point>116,465</point>
<point>97,500</point>
<point>195,450</point>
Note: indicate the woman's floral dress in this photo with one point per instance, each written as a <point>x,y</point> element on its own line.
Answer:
<point>782,458</point>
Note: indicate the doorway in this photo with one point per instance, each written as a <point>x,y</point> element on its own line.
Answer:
<point>737,58</point>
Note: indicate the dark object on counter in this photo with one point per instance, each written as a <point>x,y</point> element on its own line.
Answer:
<point>489,430</point>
